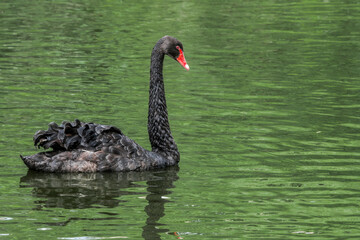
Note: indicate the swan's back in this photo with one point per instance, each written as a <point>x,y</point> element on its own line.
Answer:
<point>90,147</point>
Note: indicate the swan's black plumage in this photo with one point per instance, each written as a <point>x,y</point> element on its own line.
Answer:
<point>89,147</point>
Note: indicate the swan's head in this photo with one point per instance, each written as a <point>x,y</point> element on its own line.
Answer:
<point>174,49</point>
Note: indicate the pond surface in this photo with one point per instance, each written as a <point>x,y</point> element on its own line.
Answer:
<point>267,120</point>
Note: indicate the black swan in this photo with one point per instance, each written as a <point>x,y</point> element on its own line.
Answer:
<point>89,147</point>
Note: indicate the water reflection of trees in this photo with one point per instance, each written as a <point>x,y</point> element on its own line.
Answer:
<point>89,190</point>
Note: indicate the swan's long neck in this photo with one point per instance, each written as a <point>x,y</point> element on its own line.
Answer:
<point>160,136</point>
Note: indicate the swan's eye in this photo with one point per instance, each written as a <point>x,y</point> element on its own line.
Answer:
<point>178,48</point>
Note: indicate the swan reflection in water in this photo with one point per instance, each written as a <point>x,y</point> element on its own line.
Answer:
<point>89,190</point>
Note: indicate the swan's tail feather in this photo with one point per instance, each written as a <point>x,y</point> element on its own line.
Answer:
<point>35,161</point>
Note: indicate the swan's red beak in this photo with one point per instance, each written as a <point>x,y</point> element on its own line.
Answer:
<point>182,61</point>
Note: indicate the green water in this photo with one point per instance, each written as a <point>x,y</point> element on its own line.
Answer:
<point>267,120</point>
